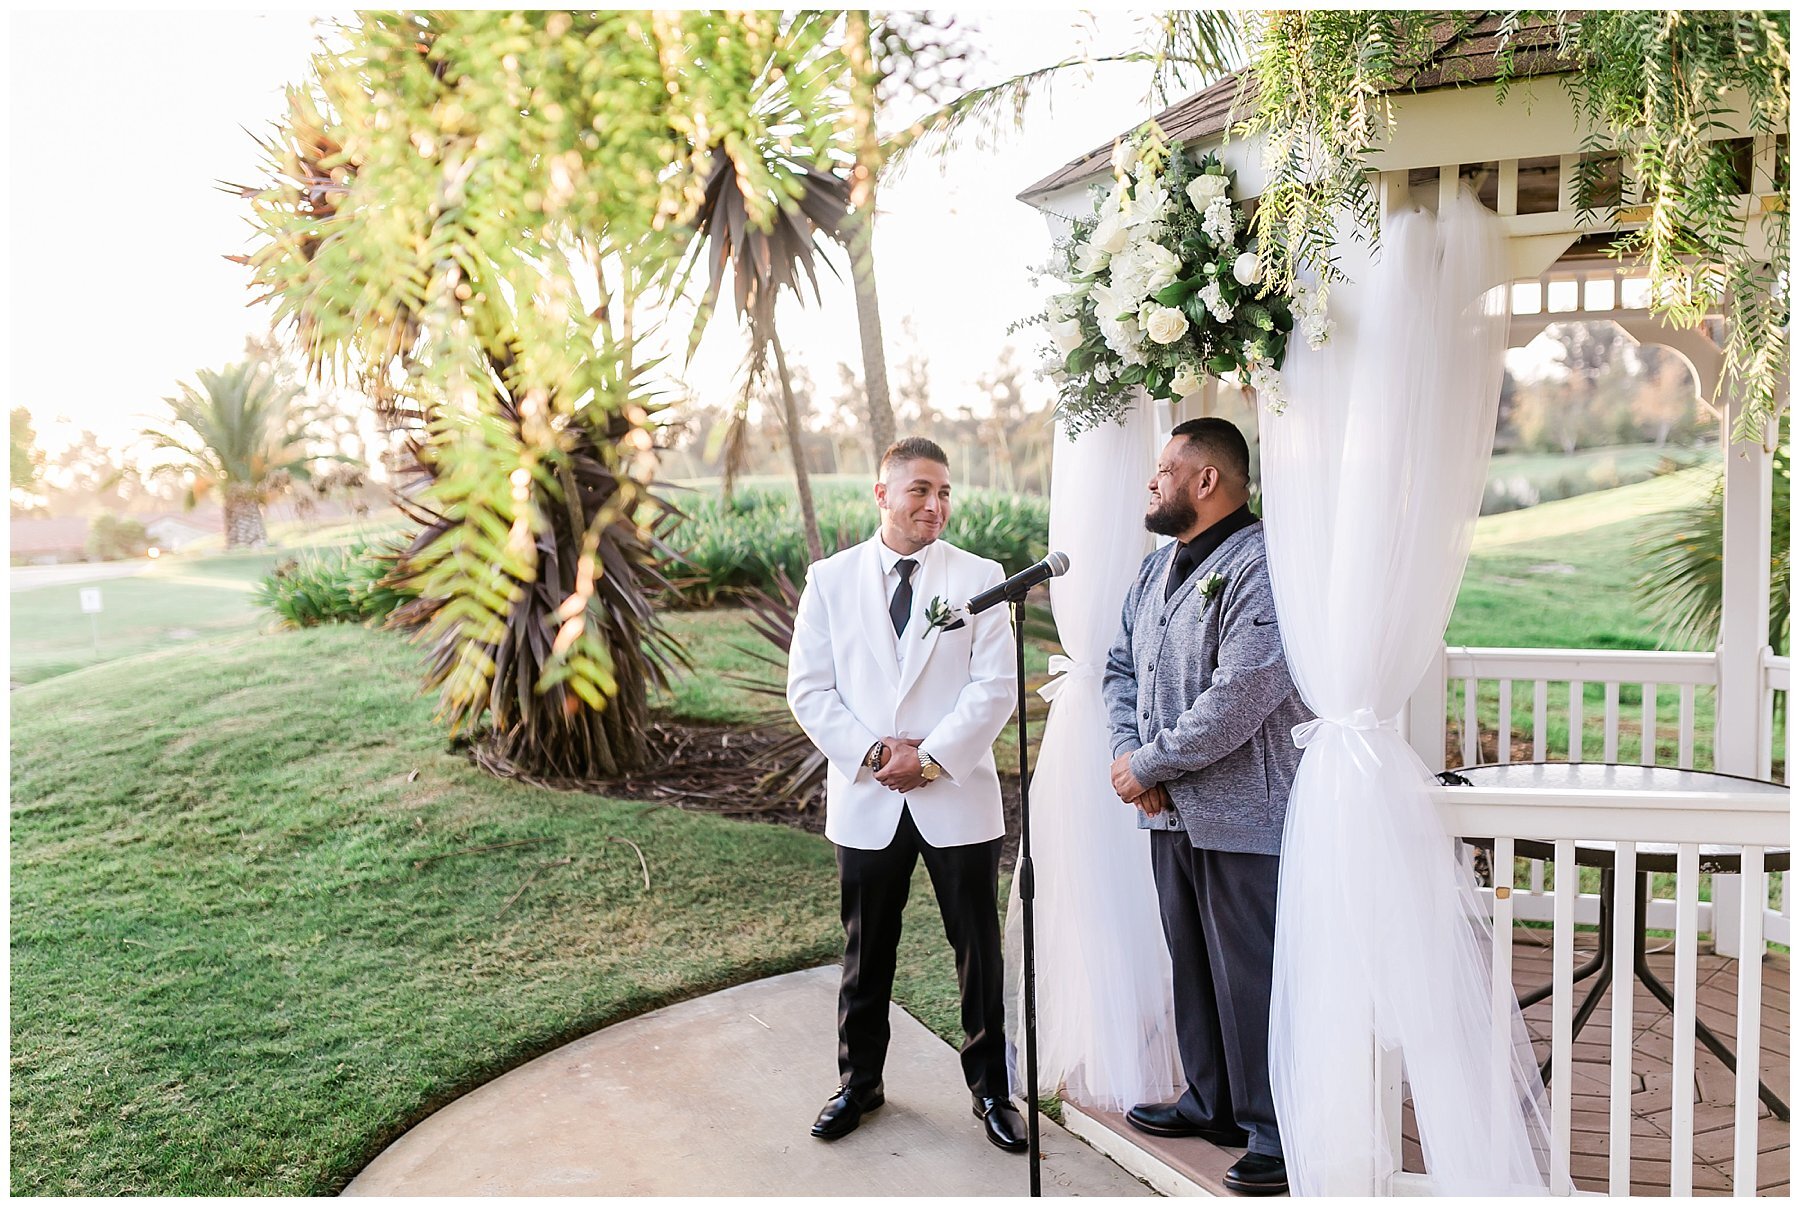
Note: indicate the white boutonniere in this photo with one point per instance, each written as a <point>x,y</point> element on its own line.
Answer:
<point>940,615</point>
<point>1211,585</point>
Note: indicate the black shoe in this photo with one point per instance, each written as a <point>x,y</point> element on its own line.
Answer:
<point>1163,1119</point>
<point>1256,1173</point>
<point>845,1111</point>
<point>1002,1123</point>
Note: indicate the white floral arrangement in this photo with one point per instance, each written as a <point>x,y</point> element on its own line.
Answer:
<point>1164,286</point>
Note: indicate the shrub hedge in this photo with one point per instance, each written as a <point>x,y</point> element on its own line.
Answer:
<point>721,552</point>
<point>333,585</point>
<point>726,550</point>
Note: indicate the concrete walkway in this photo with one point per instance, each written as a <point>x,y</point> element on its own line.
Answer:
<point>714,1097</point>
<point>29,578</point>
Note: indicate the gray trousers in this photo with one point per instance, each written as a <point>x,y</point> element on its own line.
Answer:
<point>1218,916</point>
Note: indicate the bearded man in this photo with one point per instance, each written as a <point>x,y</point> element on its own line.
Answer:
<point>1202,711</point>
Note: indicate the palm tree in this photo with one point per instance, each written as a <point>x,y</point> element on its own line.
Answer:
<point>244,438</point>
<point>764,263</point>
<point>859,227</point>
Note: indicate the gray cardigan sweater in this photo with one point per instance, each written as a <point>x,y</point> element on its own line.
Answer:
<point>1198,689</point>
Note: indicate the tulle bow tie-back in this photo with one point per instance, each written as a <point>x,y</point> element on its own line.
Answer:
<point>1355,727</point>
<point>1064,671</point>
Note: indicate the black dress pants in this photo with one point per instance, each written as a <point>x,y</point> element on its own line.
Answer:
<point>1218,916</point>
<point>875,885</point>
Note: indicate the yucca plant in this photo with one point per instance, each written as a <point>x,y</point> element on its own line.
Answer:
<point>578,646</point>
<point>240,436</point>
<point>464,209</point>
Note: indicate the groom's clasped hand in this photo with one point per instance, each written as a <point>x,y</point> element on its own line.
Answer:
<point>901,770</point>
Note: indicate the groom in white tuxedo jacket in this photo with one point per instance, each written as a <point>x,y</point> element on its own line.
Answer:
<point>906,715</point>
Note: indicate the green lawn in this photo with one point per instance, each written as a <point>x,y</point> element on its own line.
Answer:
<point>178,600</point>
<point>229,975</point>
<point>1561,575</point>
<point>305,534</point>
<point>1594,468</point>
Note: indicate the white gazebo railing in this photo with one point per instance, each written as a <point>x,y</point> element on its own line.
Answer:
<point>1769,736</point>
<point>1755,821</point>
<point>1552,684</point>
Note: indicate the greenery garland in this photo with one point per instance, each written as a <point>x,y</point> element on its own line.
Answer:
<point>1657,85</point>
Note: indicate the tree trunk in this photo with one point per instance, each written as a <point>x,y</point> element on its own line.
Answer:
<point>243,519</point>
<point>815,547</point>
<point>861,243</point>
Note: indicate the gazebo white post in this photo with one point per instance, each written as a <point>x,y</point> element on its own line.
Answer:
<point>1743,635</point>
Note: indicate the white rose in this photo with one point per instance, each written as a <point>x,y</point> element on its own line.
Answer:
<point>1166,325</point>
<point>1201,190</point>
<point>1111,235</point>
<point>1186,382</point>
<point>1247,268</point>
<point>1103,373</point>
<point>1122,158</point>
<point>1066,335</point>
<point>1089,259</point>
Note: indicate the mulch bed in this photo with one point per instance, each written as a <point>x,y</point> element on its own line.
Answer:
<point>708,767</point>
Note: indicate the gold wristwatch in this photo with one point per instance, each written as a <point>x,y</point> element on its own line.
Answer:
<point>929,767</point>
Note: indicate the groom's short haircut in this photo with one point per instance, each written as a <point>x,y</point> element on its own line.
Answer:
<point>912,448</point>
<point>1222,444</point>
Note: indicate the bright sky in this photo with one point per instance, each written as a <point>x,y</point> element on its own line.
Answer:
<point>118,231</point>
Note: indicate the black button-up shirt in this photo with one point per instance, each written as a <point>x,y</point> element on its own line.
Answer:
<point>1191,553</point>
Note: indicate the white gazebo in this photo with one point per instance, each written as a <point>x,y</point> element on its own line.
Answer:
<point>1520,156</point>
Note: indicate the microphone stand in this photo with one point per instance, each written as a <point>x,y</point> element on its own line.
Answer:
<point>1027,890</point>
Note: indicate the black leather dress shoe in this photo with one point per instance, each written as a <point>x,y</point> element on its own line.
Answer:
<point>1163,1119</point>
<point>1256,1173</point>
<point>1004,1126</point>
<point>845,1111</point>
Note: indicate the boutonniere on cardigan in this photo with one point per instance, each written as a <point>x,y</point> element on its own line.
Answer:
<point>1211,585</point>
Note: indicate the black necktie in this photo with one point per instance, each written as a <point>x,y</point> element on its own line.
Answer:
<point>900,607</point>
<point>1185,561</point>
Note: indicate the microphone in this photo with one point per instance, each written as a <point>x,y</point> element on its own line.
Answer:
<point>1016,586</point>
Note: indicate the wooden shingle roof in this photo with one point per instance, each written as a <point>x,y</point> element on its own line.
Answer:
<point>1463,54</point>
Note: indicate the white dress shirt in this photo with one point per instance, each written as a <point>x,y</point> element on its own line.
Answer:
<point>912,639</point>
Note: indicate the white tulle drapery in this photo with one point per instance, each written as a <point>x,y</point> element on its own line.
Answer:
<point>1372,482</point>
<point>1106,1029</point>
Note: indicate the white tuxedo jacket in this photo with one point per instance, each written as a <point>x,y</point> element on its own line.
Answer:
<point>956,695</point>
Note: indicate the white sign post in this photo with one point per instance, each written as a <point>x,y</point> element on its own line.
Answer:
<point>90,603</point>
